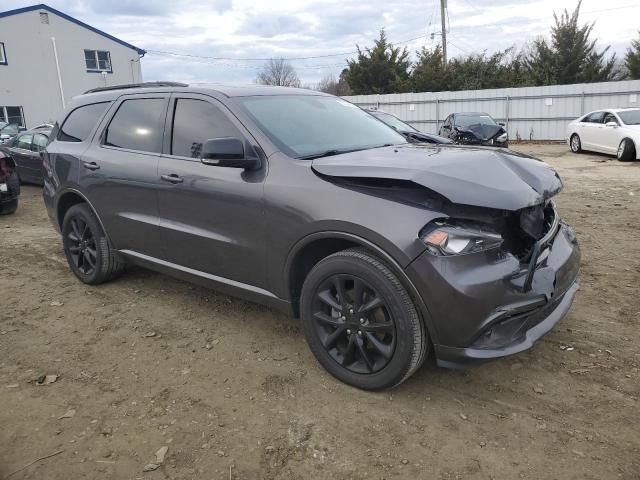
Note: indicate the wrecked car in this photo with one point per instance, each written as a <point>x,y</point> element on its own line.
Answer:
<point>387,251</point>
<point>475,129</point>
<point>9,185</point>
<point>413,135</point>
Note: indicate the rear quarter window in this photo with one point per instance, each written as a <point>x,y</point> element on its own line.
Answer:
<point>80,122</point>
<point>138,125</point>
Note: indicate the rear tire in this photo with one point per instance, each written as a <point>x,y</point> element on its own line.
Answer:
<point>626,151</point>
<point>87,248</point>
<point>9,207</point>
<point>360,322</point>
<point>575,143</point>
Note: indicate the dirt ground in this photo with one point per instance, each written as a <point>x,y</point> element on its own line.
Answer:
<point>233,392</point>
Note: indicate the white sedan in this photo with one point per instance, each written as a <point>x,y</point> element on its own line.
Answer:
<point>614,131</point>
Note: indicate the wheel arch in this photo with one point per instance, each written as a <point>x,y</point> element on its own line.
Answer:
<point>70,197</point>
<point>314,247</point>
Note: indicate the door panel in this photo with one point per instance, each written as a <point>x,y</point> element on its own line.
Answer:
<point>211,218</point>
<point>121,180</point>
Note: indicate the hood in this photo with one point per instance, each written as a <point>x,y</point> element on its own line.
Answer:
<point>483,131</point>
<point>425,137</point>
<point>477,176</point>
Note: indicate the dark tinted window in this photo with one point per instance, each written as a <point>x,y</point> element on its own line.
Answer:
<point>610,117</point>
<point>24,141</point>
<point>196,121</point>
<point>137,125</point>
<point>595,117</point>
<point>467,120</point>
<point>80,122</point>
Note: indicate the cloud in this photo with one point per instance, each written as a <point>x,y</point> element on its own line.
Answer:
<point>243,29</point>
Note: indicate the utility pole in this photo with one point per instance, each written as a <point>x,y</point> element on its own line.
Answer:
<point>443,7</point>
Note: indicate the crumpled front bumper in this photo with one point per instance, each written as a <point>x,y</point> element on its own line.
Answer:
<point>478,307</point>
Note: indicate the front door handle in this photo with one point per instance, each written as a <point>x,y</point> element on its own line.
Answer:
<point>91,166</point>
<point>173,178</point>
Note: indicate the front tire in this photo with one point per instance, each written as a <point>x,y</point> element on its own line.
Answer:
<point>87,248</point>
<point>360,322</point>
<point>626,151</point>
<point>575,143</point>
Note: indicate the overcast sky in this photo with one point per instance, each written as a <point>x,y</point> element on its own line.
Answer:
<point>246,29</point>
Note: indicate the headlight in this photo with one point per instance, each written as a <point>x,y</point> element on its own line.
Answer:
<point>445,239</point>
<point>502,138</point>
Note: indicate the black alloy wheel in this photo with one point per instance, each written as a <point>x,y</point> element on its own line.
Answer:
<point>82,246</point>
<point>86,247</point>
<point>354,324</point>
<point>360,322</point>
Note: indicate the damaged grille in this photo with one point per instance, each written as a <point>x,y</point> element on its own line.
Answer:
<point>527,227</point>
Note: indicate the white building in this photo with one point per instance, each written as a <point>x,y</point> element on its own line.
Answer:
<point>48,57</point>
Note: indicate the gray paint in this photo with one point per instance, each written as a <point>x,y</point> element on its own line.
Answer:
<point>242,231</point>
<point>30,78</point>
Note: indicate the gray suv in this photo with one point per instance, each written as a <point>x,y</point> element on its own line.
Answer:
<point>386,251</point>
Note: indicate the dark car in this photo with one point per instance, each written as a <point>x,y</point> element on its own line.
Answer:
<point>9,131</point>
<point>475,129</point>
<point>412,134</point>
<point>302,201</point>
<point>25,150</point>
<point>9,185</point>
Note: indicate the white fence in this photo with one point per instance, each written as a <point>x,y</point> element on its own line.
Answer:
<point>532,113</point>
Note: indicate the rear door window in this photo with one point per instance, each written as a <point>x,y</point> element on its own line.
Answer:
<point>195,122</point>
<point>24,141</point>
<point>138,125</point>
<point>39,142</point>
<point>595,117</point>
<point>79,124</point>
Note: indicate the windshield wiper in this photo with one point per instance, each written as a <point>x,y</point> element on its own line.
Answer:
<point>330,153</point>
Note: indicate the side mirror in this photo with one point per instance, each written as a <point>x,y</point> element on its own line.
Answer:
<point>611,124</point>
<point>227,152</point>
<point>22,129</point>
<point>502,124</point>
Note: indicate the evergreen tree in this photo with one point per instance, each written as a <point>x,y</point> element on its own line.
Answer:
<point>380,69</point>
<point>632,60</point>
<point>572,56</point>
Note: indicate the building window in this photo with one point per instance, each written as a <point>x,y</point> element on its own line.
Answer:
<point>3,55</point>
<point>44,18</point>
<point>12,115</point>
<point>98,61</point>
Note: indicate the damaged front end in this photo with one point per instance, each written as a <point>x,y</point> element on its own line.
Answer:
<point>499,268</point>
<point>9,185</point>
<point>506,279</point>
<point>481,135</point>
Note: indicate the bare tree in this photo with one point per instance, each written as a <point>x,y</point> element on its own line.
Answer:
<point>278,72</point>
<point>329,84</point>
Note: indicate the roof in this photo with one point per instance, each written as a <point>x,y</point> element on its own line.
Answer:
<point>42,6</point>
<point>226,90</point>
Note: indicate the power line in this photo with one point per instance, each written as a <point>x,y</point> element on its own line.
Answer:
<point>263,59</point>
<point>353,52</point>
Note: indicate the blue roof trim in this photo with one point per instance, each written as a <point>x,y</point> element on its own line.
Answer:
<point>42,6</point>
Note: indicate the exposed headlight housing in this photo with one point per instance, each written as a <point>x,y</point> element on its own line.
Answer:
<point>445,239</point>
<point>502,138</point>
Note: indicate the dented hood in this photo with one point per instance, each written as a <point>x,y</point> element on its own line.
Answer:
<point>482,177</point>
<point>482,131</point>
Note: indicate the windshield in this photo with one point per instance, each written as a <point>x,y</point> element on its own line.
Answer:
<point>630,117</point>
<point>310,125</point>
<point>468,120</point>
<point>394,122</point>
<point>11,129</point>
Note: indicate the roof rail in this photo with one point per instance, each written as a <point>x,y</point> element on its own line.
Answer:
<point>137,85</point>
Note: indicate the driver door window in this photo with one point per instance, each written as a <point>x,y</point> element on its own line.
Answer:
<point>195,122</point>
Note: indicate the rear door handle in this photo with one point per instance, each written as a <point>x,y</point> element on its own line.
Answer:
<point>173,178</point>
<point>91,166</point>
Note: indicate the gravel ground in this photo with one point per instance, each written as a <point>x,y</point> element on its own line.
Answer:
<point>233,392</point>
